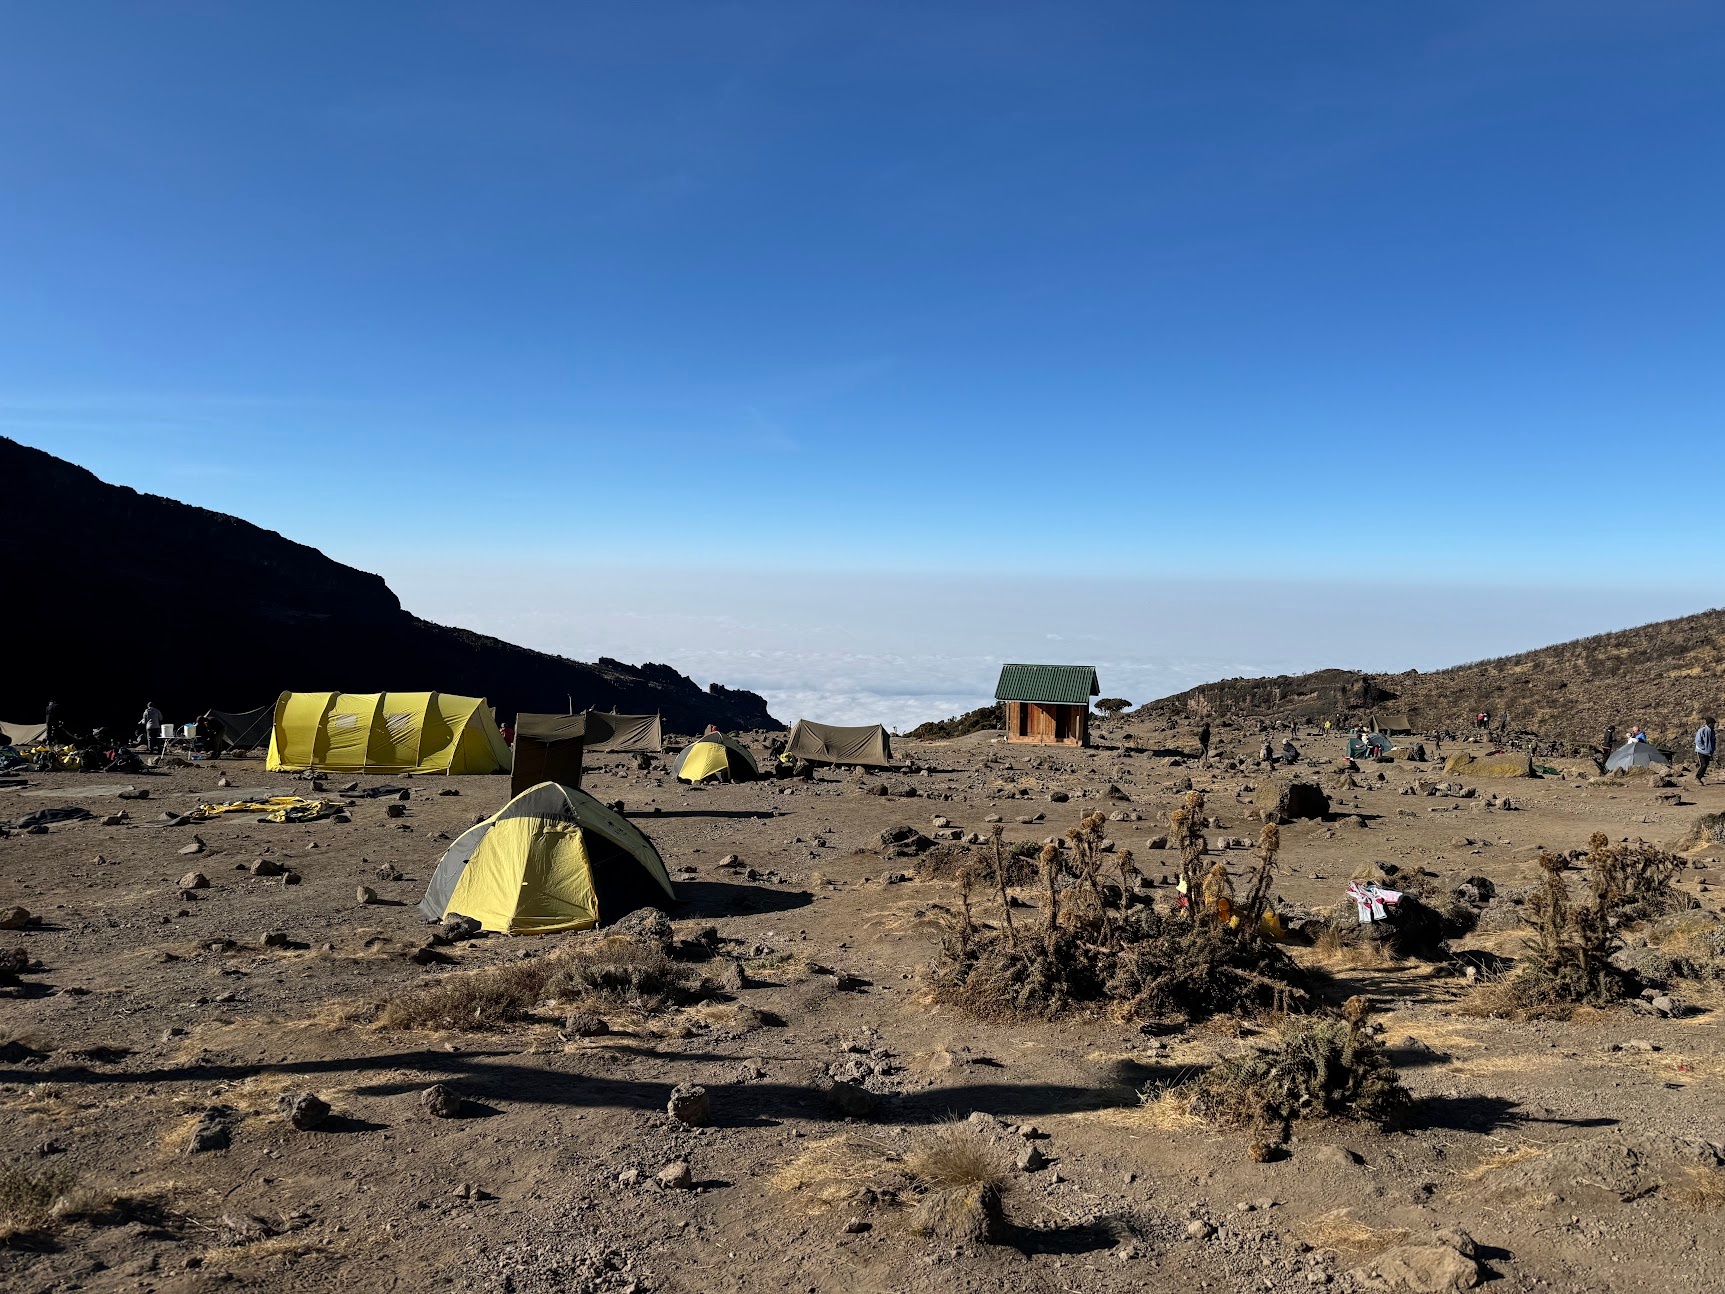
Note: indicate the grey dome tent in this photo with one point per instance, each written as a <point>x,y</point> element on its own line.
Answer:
<point>822,743</point>
<point>1636,754</point>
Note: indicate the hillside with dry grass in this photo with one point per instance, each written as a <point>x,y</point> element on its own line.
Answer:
<point>1664,675</point>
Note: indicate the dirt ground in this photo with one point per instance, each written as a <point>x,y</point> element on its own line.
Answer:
<point>1573,1153</point>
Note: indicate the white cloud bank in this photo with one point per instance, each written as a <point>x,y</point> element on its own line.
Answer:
<point>899,649</point>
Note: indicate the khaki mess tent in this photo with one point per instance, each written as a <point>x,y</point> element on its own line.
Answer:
<point>23,734</point>
<point>624,732</point>
<point>715,755</point>
<point>552,859</point>
<point>246,729</point>
<point>386,732</point>
<point>548,748</point>
<point>822,743</point>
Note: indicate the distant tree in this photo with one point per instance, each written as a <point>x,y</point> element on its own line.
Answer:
<point>1113,705</point>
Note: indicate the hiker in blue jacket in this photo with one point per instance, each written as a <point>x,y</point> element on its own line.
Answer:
<point>1703,749</point>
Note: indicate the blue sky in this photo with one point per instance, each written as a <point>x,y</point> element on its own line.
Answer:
<point>1328,295</point>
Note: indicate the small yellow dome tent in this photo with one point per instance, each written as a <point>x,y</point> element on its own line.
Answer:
<point>386,732</point>
<point>715,755</point>
<point>552,859</point>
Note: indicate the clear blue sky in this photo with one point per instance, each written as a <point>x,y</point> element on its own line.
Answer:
<point>1151,289</point>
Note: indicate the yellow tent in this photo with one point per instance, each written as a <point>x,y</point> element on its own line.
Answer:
<point>715,755</point>
<point>386,732</point>
<point>552,859</point>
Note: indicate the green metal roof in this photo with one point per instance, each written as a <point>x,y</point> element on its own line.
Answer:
<point>1049,684</point>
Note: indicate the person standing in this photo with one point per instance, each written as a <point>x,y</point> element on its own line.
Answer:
<point>1610,740</point>
<point>1703,750</point>
<point>152,723</point>
<point>1204,745</point>
<point>51,724</point>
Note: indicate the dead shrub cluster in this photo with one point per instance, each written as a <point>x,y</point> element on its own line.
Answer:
<point>1093,943</point>
<point>1571,939</point>
<point>601,971</point>
<point>1320,1068</point>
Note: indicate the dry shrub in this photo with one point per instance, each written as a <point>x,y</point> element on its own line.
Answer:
<point>33,1205</point>
<point>628,973</point>
<point>1318,1069</point>
<point>615,970</point>
<point>482,999</point>
<point>1096,945</point>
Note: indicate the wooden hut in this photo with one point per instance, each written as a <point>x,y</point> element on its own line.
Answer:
<point>1047,705</point>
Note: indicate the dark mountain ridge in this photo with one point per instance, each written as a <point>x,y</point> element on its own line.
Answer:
<point>114,598</point>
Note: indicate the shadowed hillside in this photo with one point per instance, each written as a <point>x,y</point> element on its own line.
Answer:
<point>1664,675</point>
<point>114,598</point>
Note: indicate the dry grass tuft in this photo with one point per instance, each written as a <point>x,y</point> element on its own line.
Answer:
<point>965,1179</point>
<point>1704,1189</point>
<point>482,999</point>
<point>1503,1159</point>
<point>845,1171</point>
<point>1331,950</point>
<point>1340,1230</point>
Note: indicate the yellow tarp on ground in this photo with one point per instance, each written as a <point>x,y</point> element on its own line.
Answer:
<point>278,808</point>
<point>386,732</point>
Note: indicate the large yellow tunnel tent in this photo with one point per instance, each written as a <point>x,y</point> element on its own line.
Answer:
<point>386,732</point>
<point>552,859</point>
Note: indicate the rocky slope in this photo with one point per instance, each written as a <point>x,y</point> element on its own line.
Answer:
<point>116,597</point>
<point>1664,675</point>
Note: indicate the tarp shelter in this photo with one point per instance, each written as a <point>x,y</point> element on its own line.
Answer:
<point>244,730</point>
<point>624,732</point>
<point>822,743</point>
<point>386,732</point>
<point>715,755</point>
<point>23,734</point>
<point>553,858</point>
<point>548,748</point>
<point>1635,754</point>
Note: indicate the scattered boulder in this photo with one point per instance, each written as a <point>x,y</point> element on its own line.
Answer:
<point>1449,1261</point>
<point>16,918</point>
<point>213,1131</point>
<point>676,1176</point>
<point>264,867</point>
<point>196,846</point>
<point>456,926</point>
<point>852,1100</point>
<point>904,842</point>
<point>585,1024</point>
<point>273,939</point>
<point>364,895</point>
<point>190,881</point>
<point>1290,801</point>
<point>441,1101</point>
<point>304,1110</point>
<point>690,1104</point>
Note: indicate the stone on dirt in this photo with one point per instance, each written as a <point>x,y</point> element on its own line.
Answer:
<point>690,1104</point>
<point>441,1101</point>
<point>304,1110</point>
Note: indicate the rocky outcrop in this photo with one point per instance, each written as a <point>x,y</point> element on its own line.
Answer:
<point>115,598</point>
